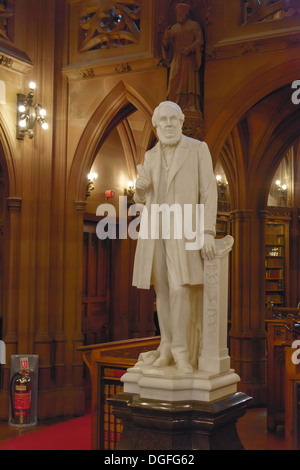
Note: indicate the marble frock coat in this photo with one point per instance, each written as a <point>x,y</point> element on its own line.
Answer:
<point>190,181</point>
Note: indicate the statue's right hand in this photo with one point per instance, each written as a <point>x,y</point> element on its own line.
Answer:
<point>142,184</point>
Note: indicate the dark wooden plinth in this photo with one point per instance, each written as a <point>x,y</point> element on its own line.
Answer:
<point>159,425</point>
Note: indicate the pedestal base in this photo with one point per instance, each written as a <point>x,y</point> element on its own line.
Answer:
<point>161,425</point>
<point>171,385</point>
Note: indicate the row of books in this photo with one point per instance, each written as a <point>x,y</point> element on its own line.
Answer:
<point>273,262</point>
<point>275,298</point>
<point>274,273</point>
<point>113,372</point>
<point>112,426</point>
<point>274,251</point>
<point>275,285</point>
<point>274,229</point>
<point>274,240</point>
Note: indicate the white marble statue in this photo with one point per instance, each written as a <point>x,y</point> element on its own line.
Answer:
<point>177,171</point>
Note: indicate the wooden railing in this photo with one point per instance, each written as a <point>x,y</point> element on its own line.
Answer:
<point>283,327</point>
<point>107,363</point>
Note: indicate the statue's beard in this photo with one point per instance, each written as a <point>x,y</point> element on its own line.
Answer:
<point>170,140</point>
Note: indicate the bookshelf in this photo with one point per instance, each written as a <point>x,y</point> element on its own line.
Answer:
<point>107,362</point>
<point>110,426</point>
<point>223,219</point>
<point>276,263</point>
<point>222,226</point>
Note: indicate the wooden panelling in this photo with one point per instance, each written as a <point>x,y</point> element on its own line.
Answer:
<point>95,319</point>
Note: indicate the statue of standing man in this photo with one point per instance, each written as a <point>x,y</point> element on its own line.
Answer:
<point>177,173</point>
<point>182,47</point>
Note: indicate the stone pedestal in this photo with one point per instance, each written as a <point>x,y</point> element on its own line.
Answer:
<point>188,425</point>
<point>168,384</point>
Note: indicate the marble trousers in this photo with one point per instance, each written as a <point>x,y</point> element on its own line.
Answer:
<point>174,302</point>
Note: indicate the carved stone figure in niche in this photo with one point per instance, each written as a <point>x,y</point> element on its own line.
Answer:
<point>177,172</point>
<point>182,48</point>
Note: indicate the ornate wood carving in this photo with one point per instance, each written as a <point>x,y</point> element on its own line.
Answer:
<point>110,24</point>
<point>212,299</point>
<point>121,68</point>
<point>193,125</point>
<point>6,61</point>
<point>275,211</point>
<point>256,11</point>
<point>5,13</point>
<point>88,73</point>
<point>239,48</point>
<point>131,353</point>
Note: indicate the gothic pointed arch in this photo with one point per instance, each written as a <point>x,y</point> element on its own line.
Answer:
<point>122,101</point>
<point>8,160</point>
<point>253,148</point>
<point>248,95</point>
<point>285,135</point>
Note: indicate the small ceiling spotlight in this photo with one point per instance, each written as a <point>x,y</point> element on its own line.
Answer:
<point>28,114</point>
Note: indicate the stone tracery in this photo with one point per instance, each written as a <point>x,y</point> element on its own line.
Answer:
<point>110,24</point>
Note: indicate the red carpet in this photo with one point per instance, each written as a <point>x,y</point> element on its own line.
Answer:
<point>74,434</point>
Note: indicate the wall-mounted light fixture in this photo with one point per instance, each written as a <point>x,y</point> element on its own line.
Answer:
<point>28,114</point>
<point>222,186</point>
<point>282,188</point>
<point>91,183</point>
<point>129,192</point>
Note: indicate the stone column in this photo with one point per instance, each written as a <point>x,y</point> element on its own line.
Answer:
<point>214,356</point>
